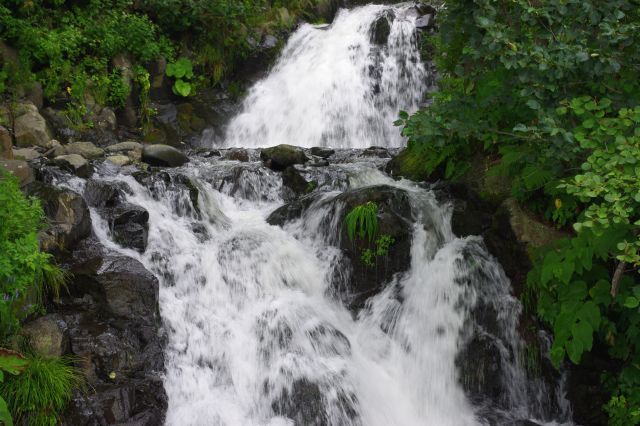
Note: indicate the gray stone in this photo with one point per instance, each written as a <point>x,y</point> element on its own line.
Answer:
<point>20,169</point>
<point>527,228</point>
<point>106,120</point>
<point>124,146</point>
<point>27,154</point>
<point>31,129</point>
<point>425,22</point>
<point>86,149</point>
<point>381,28</point>
<point>269,42</point>
<point>237,154</point>
<point>163,156</point>
<point>68,214</point>
<point>74,163</point>
<point>282,156</point>
<point>119,160</point>
<point>48,335</point>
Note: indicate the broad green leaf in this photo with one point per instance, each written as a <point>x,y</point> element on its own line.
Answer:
<point>5,415</point>
<point>583,333</point>
<point>182,88</point>
<point>631,302</point>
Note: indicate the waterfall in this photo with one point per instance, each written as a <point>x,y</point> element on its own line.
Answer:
<point>258,329</point>
<point>332,86</point>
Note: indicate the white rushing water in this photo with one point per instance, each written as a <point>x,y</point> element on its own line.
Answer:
<point>257,334</point>
<point>333,87</point>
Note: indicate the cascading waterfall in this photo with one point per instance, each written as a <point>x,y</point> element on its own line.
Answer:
<point>332,86</point>
<point>257,331</point>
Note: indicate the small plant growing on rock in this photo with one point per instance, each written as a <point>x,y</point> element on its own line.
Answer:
<point>182,71</point>
<point>362,222</point>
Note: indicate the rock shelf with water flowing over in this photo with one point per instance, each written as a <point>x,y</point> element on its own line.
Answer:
<point>268,315</point>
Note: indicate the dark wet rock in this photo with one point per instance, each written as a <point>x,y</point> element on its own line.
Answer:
<point>290,211</point>
<point>293,179</point>
<point>104,194</point>
<point>394,220</point>
<point>282,156</point>
<point>237,154</point>
<point>20,169</point>
<point>585,390</point>
<point>68,216</point>
<point>317,162</point>
<point>114,328</point>
<point>163,156</point>
<point>60,123</point>
<point>322,152</point>
<point>381,28</point>
<point>376,151</point>
<point>75,164</point>
<point>209,153</point>
<point>480,368</point>
<point>304,404</point>
<point>47,335</point>
<point>129,226</point>
<point>425,22</point>
<point>136,403</point>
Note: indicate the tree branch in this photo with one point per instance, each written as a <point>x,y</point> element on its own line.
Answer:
<point>617,276</point>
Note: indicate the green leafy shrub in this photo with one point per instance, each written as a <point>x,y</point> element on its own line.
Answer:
<point>41,392</point>
<point>24,269</point>
<point>182,72</point>
<point>10,363</point>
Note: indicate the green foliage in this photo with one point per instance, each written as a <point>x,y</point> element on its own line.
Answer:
<point>380,249</point>
<point>362,221</point>
<point>24,269</point>
<point>550,89</point>
<point>11,363</point>
<point>182,72</point>
<point>41,392</point>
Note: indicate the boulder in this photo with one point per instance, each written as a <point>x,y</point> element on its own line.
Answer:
<point>118,160</point>
<point>123,147</point>
<point>74,163</point>
<point>322,152</point>
<point>425,22</point>
<point>163,156</point>
<point>86,149</point>
<point>237,154</point>
<point>129,225</point>
<point>106,120</point>
<point>381,28</point>
<point>527,228</point>
<point>104,194</point>
<point>20,169</point>
<point>47,335</point>
<point>26,154</point>
<point>282,156</point>
<point>6,144</point>
<point>303,403</point>
<point>130,290</point>
<point>114,328</point>
<point>67,213</point>
<point>292,179</point>
<point>31,129</point>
